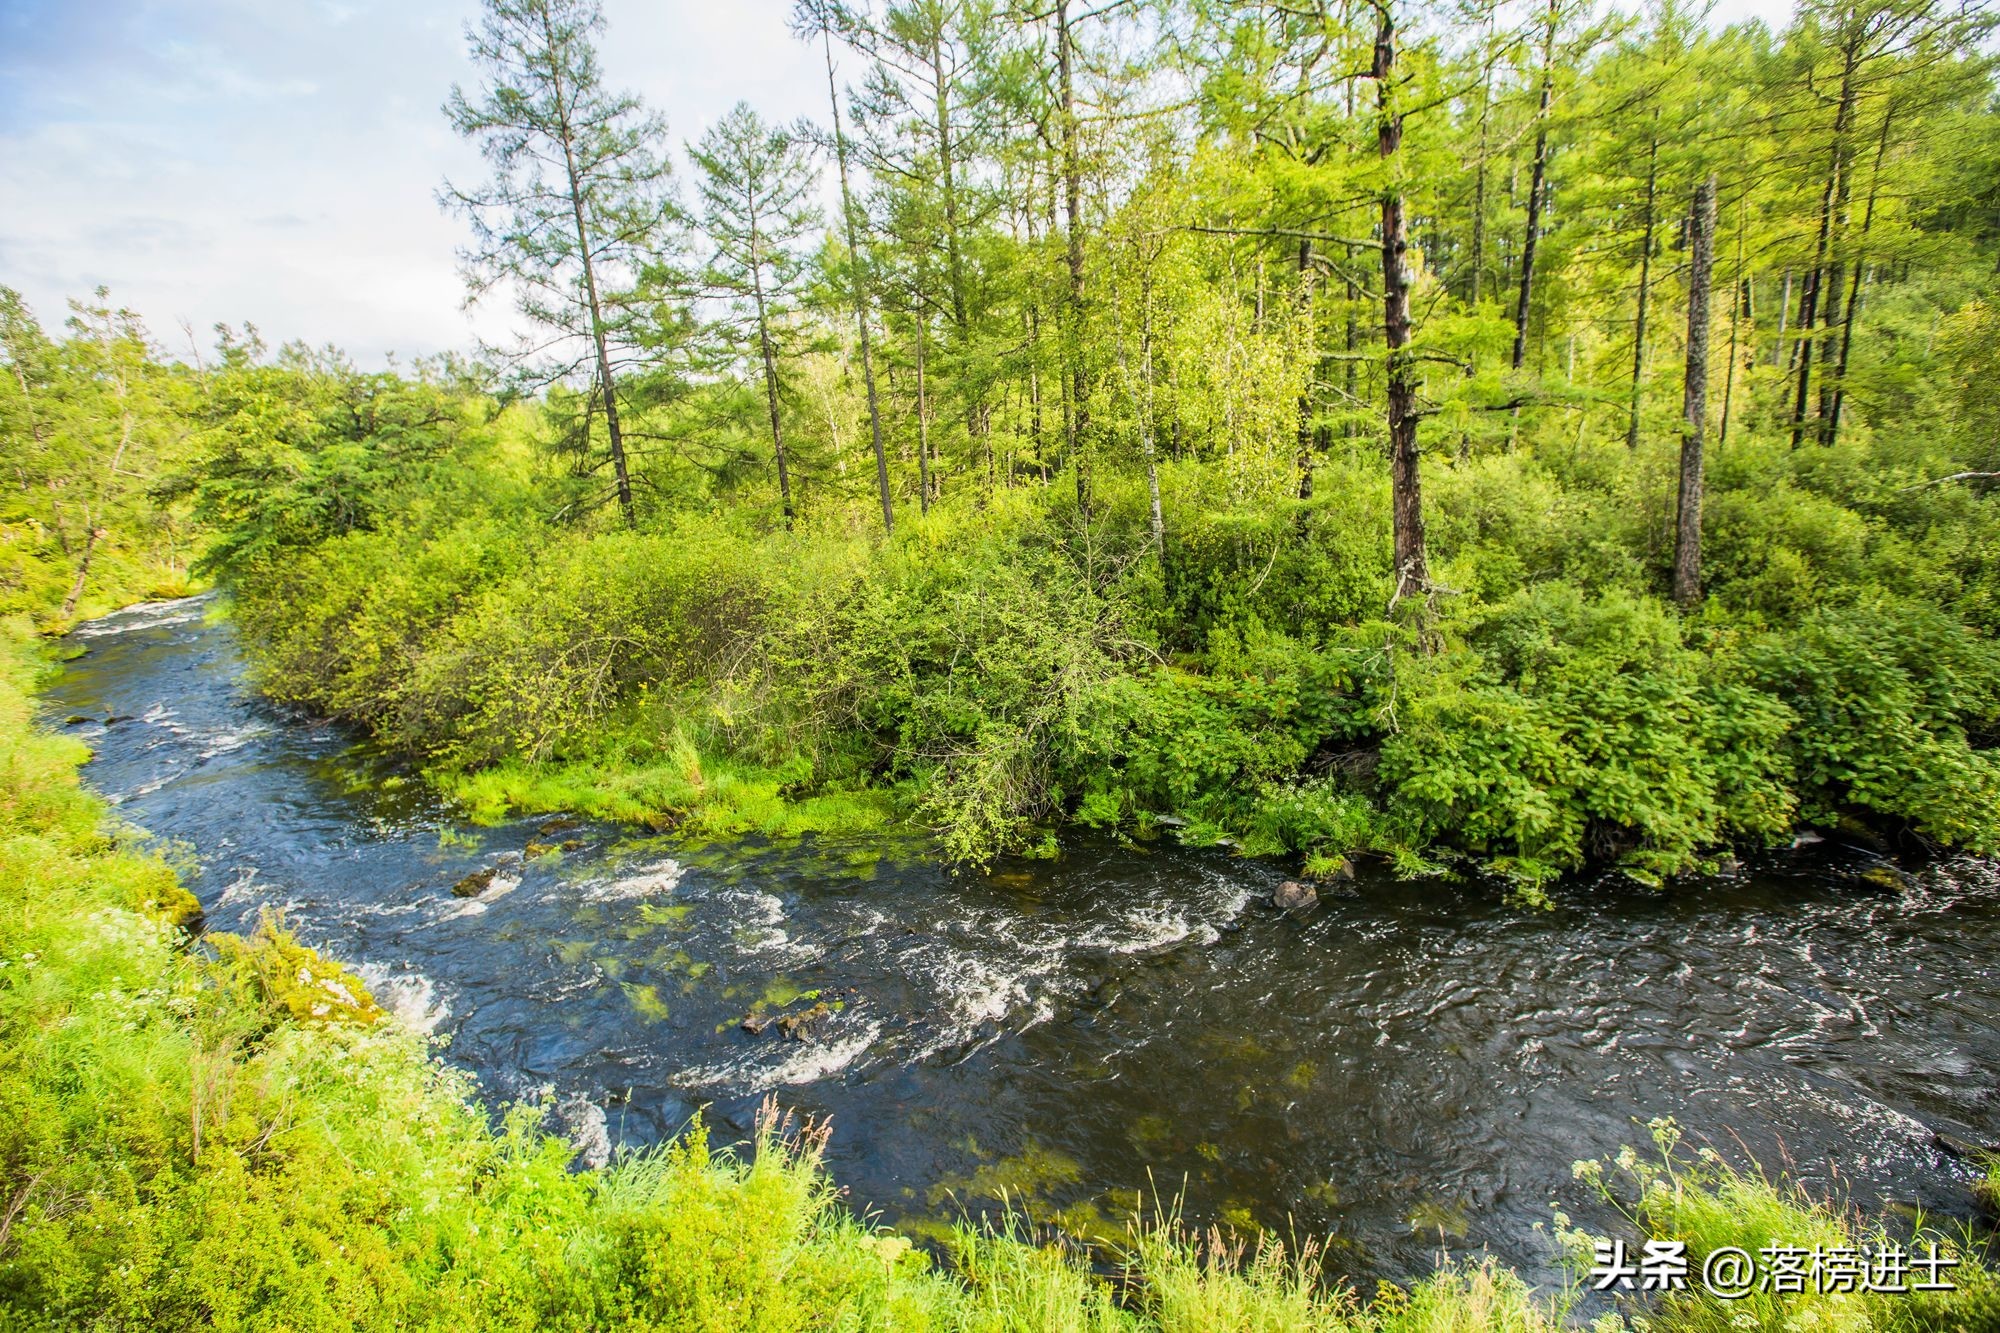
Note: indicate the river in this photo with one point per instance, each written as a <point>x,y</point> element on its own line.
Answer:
<point>1411,1067</point>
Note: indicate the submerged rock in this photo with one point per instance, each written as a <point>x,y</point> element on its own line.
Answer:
<point>1963,1148</point>
<point>1885,876</point>
<point>474,884</point>
<point>799,1026</point>
<point>1294,896</point>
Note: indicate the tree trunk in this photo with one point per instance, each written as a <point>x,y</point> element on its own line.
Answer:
<point>1479,181</point>
<point>1854,296</point>
<point>1809,303</point>
<point>770,376</point>
<point>605,382</point>
<point>1405,480</point>
<point>90,535</point>
<point>856,258</point>
<point>1305,442</point>
<point>1035,388</point>
<point>1740,307</point>
<point>1694,397</point>
<point>1645,283</point>
<point>1784,313</point>
<point>1079,387</point>
<point>1537,182</point>
<point>1146,428</point>
<point>923,432</point>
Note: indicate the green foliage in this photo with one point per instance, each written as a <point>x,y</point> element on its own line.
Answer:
<point>87,425</point>
<point>1896,705</point>
<point>1709,1205</point>
<point>1580,726</point>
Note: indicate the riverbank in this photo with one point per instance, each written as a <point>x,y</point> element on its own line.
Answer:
<point>275,1153</point>
<point>974,679</point>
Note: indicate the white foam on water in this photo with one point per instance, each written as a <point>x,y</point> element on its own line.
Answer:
<point>240,889</point>
<point>143,615</point>
<point>1145,929</point>
<point>497,888</point>
<point>977,994</point>
<point>804,1062</point>
<point>411,996</point>
<point>757,920</point>
<point>229,741</point>
<point>159,715</point>
<point>659,877</point>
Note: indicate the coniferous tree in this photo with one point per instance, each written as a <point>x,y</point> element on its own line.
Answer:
<point>576,206</point>
<point>755,212</point>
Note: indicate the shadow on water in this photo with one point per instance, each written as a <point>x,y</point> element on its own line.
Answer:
<point>1412,1067</point>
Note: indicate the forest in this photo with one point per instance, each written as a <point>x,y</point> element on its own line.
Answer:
<point>1509,441</point>
<point>1550,439</point>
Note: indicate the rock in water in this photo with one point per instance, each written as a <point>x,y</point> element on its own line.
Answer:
<point>1292,896</point>
<point>474,884</point>
<point>799,1026</point>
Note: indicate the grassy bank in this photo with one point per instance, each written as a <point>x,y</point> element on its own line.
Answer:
<point>228,1133</point>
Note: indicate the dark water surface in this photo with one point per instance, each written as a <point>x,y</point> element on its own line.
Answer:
<point>1412,1067</point>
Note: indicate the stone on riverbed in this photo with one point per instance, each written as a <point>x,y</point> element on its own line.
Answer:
<point>474,884</point>
<point>799,1026</point>
<point>1293,896</point>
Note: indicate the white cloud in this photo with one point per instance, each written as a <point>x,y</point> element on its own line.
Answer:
<point>278,163</point>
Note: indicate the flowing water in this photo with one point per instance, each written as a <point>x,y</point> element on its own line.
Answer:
<point>1411,1067</point>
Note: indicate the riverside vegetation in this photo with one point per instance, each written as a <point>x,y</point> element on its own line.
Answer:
<point>1533,441</point>
<point>218,1132</point>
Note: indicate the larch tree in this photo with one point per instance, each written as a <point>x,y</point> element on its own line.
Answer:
<point>577,203</point>
<point>819,18</point>
<point>756,213</point>
<point>1412,569</point>
<point>1694,398</point>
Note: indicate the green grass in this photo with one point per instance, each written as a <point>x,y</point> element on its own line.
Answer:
<point>693,794</point>
<point>1701,1200</point>
<point>229,1134</point>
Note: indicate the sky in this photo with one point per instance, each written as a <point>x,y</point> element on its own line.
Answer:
<point>277,162</point>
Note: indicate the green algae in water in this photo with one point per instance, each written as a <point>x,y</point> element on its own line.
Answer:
<point>1025,1177</point>
<point>1150,1134</point>
<point>780,992</point>
<point>646,1001</point>
<point>1442,1216</point>
<point>665,914</point>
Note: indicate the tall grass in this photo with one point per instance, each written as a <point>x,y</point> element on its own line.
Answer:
<point>1700,1200</point>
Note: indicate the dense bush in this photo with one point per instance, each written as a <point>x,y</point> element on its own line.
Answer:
<point>997,670</point>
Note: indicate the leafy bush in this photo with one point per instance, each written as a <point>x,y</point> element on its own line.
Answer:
<point>1570,727</point>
